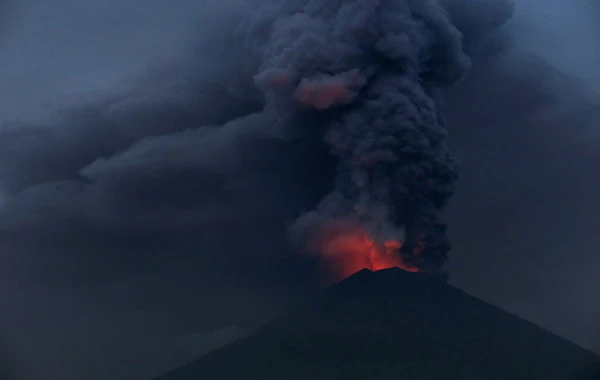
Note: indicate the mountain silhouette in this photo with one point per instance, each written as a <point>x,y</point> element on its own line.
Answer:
<point>392,324</point>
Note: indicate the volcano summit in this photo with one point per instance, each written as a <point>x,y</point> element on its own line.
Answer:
<point>393,324</point>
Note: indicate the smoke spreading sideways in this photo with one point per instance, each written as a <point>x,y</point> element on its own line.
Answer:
<point>324,105</point>
<point>373,70</point>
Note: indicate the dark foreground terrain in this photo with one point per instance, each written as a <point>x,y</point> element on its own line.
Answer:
<point>392,324</point>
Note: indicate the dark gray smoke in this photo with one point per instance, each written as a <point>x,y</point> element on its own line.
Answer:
<point>375,70</point>
<point>480,22</point>
<point>186,160</point>
<point>161,207</point>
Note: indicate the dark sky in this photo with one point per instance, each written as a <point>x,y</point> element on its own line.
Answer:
<point>141,225</point>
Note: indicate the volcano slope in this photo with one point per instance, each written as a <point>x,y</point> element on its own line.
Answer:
<point>392,324</point>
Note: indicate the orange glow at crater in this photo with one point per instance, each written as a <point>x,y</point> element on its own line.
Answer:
<point>349,250</point>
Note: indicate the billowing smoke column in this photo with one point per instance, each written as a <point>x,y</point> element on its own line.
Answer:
<point>373,70</point>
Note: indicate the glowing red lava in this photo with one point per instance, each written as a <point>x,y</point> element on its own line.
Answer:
<point>348,251</point>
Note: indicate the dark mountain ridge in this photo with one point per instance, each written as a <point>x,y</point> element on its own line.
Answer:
<point>394,324</point>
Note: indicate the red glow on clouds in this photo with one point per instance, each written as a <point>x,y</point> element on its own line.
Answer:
<point>349,250</point>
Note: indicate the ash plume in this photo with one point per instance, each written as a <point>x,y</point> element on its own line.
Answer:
<point>375,69</point>
<point>248,125</point>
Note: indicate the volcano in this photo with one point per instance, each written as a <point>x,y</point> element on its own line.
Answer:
<point>394,324</point>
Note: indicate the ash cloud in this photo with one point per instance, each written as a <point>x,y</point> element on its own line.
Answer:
<point>182,183</point>
<point>478,19</point>
<point>338,96</point>
<point>387,134</point>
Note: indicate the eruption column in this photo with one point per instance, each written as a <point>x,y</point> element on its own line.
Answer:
<point>372,70</point>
